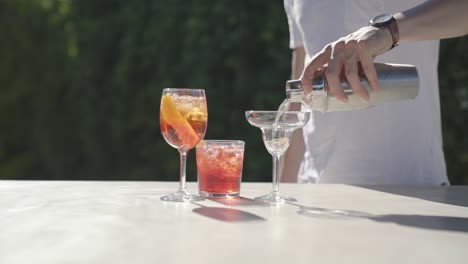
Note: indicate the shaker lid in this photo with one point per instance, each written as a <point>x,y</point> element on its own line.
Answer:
<point>294,85</point>
<point>320,82</point>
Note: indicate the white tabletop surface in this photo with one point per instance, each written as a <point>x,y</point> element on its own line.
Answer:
<point>125,222</point>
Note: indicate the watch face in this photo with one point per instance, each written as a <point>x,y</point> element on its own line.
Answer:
<point>381,19</point>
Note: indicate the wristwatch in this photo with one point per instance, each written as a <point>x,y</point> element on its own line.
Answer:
<point>387,21</point>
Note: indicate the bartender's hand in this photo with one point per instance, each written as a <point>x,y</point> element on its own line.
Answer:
<point>342,57</point>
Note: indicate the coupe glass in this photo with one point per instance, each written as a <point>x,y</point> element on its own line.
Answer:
<point>183,118</point>
<point>277,129</point>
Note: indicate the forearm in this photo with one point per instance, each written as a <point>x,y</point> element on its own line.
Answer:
<point>293,157</point>
<point>297,62</point>
<point>434,19</point>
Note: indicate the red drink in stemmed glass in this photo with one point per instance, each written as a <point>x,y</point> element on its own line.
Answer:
<point>183,119</point>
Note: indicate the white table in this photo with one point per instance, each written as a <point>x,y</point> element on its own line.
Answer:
<point>125,222</point>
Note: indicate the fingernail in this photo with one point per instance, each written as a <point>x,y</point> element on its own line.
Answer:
<point>365,100</point>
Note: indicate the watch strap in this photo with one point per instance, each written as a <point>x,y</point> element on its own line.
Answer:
<point>392,26</point>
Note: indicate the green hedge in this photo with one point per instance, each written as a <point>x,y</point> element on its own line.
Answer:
<point>80,84</point>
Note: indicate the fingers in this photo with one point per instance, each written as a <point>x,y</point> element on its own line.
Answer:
<point>341,58</point>
<point>332,73</point>
<point>351,72</point>
<point>313,65</point>
<point>367,63</point>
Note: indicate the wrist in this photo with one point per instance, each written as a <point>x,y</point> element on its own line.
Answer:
<point>401,24</point>
<point>388,23</point>
<point>380,42</point>
<point>388,42</point>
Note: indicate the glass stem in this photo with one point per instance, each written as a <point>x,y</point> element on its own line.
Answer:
<point>183,165</point>
<point>276,159</point>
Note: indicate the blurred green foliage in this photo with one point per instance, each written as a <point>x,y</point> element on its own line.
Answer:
<point>80,84</point>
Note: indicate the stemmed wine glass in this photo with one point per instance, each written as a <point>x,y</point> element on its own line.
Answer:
<point>183,118</point>
<point>277,129</point>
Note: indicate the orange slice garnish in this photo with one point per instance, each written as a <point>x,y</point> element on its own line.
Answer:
<point>182,128</point>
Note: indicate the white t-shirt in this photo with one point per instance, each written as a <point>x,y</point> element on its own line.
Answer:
<point>394,143</point>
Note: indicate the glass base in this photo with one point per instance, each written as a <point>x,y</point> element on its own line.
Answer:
<point>181,196</point>
<point>218,195</point>
<point>274,198</point>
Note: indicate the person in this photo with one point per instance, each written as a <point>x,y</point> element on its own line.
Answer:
<point>397,143</point>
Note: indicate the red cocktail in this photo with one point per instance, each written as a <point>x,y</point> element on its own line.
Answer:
<point>183,117</point>
<point>219,167</point>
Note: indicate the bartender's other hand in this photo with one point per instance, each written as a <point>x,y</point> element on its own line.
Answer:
<point>341,58</point>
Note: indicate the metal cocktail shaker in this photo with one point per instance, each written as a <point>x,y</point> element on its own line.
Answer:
<point>397,82</point>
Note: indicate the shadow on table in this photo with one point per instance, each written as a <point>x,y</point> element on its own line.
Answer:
<point>318,212</point>
<point>226,214</point>
<point>453,195</point>
<point>238,201</point>
<point>445,223</point>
